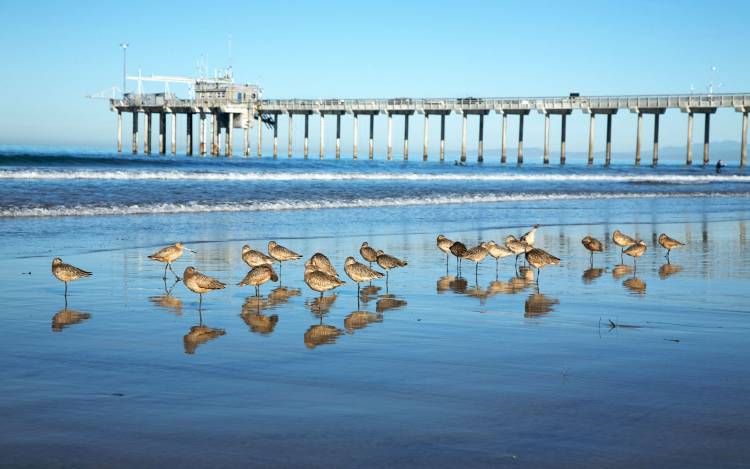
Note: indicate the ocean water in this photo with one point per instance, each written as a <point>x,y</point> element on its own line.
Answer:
<point>496,367</point>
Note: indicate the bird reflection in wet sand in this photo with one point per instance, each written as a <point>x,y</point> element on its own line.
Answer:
<point>621,270</point>
<point>538,304</point>
<point>258,322</point>
<point>360,320</point>
<point>669,269</point>
<point>67,317</point>
<point>635,285</point>
<point>321,334</point>
<point>167,301</point>
<point>478,292</point>
<point>281,295</point>
<point>589,275</point>
<point>368,293</point>
<point>387,302</point>
<point>321,305</point>
<point>444,283</point>
<point>198,335</point>
<point>458,285</point>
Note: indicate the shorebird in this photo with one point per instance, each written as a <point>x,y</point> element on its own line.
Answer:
<point>320,262</point>
<point>199,283</point>
<point>458,249</point>
<point>368,253</point>
<point>539,258</point>
<point>444,244</point>
<point>258,276</point>
<point>168,255</point>
<point>255,258</point>
<point>622,240</point>
<point>360,272</point>
<point>593,245</point>
<point>498,252</point>
<point>389,262</point>
<point>67,273</point>
<point>669,243</point>
<point>281,254</point>
<point>320,281</point>
<point>529,236</point>
<point>516,246</point>
<point>477,255</point>
<point>635,251</point>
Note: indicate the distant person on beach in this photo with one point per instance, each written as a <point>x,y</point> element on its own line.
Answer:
<point>719,164</point>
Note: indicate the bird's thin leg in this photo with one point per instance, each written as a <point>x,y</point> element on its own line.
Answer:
<point>165,271</point>
<point>200,317</point>
<point>537,275</point>
<point>279,272</point>
<point>200,301</point>
<point>667,256</point>
<point>257,291</point>
<point>66,291</point>
<point>175,273</point>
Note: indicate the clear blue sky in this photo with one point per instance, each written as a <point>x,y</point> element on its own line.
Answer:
<point>54,53</point>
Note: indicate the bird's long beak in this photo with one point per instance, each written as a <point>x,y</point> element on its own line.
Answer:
<point>191,251</point>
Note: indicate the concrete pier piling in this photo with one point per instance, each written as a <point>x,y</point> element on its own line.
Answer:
<point>503,140</point>
<point>307,136</point>
<point>188,134</point>
<point>119,131</point>
<point>173,133</point>
<point>214,134</point>
<point>162,133</point>
<point>425,136</point>
<point>290,143</point>
<point>743,148</point>
<point>134,147</point>
<point>546,138</point>
<point>689,156</point>
<point>406,137</point>
<point>563,132</point>
<point>442,137</point>
<point>322,135</point>
<point>706,134</point>
<point>639,128</point>
<point>147,133</point>
<point>608,150</point>
<point>592,121</point>
<point>338,136</point>
<point>480,144</point>
<point>389,152</point>
<point>246,140</point>
<point>202,134</point>
<point>520,139</point>
<point>229,151</point>
<point>259,122</point>
<point>463,137</point>
<point>275,136</point>
<point>355,136</point>
<point>655,159</point>
<point>371,154</point>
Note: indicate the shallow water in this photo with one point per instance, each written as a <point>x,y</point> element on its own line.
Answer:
<point>485,370</point>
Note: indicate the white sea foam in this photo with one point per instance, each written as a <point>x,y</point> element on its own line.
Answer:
<point>175,175</point>
<point>197,207</point>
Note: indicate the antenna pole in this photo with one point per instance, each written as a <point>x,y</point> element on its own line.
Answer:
<point>124,46</point>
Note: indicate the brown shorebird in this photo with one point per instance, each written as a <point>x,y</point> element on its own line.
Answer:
<point>369,254</point>
<point>255,258</point>
<point>360,272</point>
<point>168,255</point>
<point>529,236</point>
<point>458,249</point>
<point>388,262</point>
<point>539,258</point>
<point>476,255</point>
<point>258,276</point>
<point>281,254</point>
<point>516,246</point>
<point>321,281</point>
<point>320,262</point>
<point>67,273</point>
<point>444,244</point>
<point>635,251</point>
<point>199,283</point>
<point>593,245</point>
<point>669,243</point>
<point>622,240</point>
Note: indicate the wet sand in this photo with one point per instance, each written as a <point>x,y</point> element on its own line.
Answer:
<point>434,371</point>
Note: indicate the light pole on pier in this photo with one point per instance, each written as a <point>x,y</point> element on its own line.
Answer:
<point>124,46</point>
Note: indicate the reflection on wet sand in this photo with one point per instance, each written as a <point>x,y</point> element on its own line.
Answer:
<point>621,270</point>
<point>368,293</point>
<point>167,301</point>
<point>387,302</point>
<point>538,304</point>
<point>669,269</point>
<point>260,323</point>
<point>458,285</point>
<point>478,292</point>
<point>281,295</point>
<point>321,334</point>
<point>67,317</point>
<point>589,275</point>
<point>635,285</point>
<point>360,320</point>
<point>320,305</point>
<point>198,335</point>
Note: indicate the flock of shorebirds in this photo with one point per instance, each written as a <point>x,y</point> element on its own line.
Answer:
<point>321,276</point>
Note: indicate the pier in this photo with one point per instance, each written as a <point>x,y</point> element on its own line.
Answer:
<point>240,106</point>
